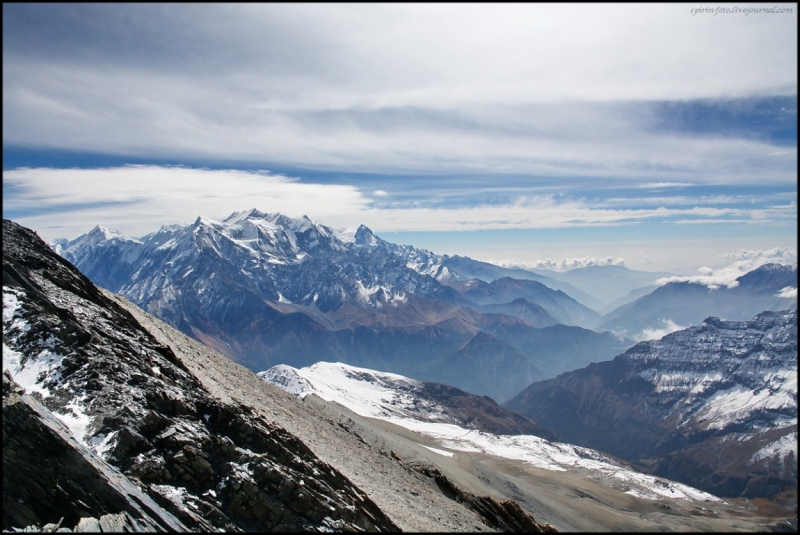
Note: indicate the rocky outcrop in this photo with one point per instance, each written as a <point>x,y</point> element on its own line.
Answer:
<point>505,515</point>
<point>47,474</point>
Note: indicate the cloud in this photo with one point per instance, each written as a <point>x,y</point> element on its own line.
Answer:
<point>655,333</point>
<point>565,264</point>
<point>136,198</point>
<point>380,193</point>
<point>344,88</point>
<point>745,261</point>
<point>789,292</point>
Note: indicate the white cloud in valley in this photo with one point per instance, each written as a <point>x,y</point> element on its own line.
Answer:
<point>745,261</point>
<point>657,333</point>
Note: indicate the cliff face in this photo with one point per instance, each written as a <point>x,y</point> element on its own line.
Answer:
<point>714,406</point>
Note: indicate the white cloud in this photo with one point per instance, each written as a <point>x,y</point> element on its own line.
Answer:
<point>565,264</point>
<point>789,292</point>
<point>380,193</point>
<point>745,261</point>
<point>344,87</point>
<point>669,326</point>
<point>135,199</point>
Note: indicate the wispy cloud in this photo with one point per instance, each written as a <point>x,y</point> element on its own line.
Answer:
<point>745,261</point>
<point>565,264</point>
<point>656,333</point>
<point>69,201</point>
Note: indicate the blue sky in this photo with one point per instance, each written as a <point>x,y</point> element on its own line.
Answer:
<point>512,133</point>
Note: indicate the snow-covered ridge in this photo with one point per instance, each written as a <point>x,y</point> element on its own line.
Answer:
<point>391,397</point>
<point>268,249</point>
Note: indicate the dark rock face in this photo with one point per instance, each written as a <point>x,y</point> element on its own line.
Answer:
<point>181,459</point>
<point>264,289</point>
<point>47,474</point>
<point>506,515</point>
<point>713,406</point>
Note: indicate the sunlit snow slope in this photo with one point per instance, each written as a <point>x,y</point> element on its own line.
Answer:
<point>390,397</point>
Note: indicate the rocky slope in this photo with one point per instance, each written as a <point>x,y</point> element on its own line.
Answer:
<point>714,406</point>
<point>265,289</point>
<point>128,398</point>
<point>114,401</point>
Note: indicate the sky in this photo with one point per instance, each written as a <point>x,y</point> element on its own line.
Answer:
<point>659,137</point>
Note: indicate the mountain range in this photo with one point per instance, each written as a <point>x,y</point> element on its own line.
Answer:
<point>265,289</point>
<point>713,406</point>
<point>113,420</point>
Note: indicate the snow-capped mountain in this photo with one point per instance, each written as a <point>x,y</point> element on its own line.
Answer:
<point>265,289</point>
<point>684,304</point>
<point>714,406</point>
<point>113,421</point>
<point>142,421</point>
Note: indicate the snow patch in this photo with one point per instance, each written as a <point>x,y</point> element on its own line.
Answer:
<point>440,452</point>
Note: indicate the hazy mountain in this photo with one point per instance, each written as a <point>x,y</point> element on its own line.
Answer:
<point>108,424</point>
<point>714,406</point>
<point>632,296</point>
<point>465,268</point>
<point>264,289</point>
<point>506,290</point>
<point>607,283</point>
<point>685,304</point>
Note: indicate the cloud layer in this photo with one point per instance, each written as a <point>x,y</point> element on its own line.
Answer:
<point>745,261</point>
<point>405,88</point>
<point>565,264</point>
<point>136,198</point>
